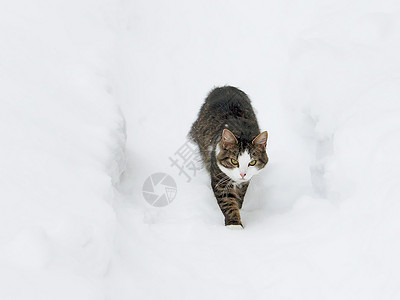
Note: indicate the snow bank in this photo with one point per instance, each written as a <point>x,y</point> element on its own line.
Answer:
<point>344,88</point>
<point>62,141</point>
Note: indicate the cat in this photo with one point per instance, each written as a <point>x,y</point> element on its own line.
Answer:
<point>231,147</point>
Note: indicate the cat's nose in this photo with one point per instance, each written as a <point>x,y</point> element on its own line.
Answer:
<point>242,174</point>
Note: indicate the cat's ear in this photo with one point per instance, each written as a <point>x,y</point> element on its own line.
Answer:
<point>228,139</point>
<point>261,140</point>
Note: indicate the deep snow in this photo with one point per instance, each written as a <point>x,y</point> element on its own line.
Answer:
<point>62,146</point>
<point>321,221</point>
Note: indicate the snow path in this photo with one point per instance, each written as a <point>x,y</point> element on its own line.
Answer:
<point>321,221</point>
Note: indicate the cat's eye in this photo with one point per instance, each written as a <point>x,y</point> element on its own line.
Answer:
<point>234,161</point>
<point>252,163</point>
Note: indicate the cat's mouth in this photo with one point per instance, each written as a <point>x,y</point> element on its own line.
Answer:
<point>241,180</point>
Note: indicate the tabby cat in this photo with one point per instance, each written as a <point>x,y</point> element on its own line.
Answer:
<point>231,147</point>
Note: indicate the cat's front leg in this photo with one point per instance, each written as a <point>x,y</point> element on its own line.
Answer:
<point>241,192</point>
<point>229,203</point>
<point>230,208</point>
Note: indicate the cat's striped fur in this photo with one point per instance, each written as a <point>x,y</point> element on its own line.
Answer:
<point>227,134</point>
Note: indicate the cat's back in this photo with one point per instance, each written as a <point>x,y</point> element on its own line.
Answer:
<point>224,107</point>
<point>227,101</point>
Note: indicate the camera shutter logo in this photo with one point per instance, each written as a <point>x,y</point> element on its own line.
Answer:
<point>159,189</point>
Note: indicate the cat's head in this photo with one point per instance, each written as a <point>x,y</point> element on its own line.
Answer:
<point>241,160</point>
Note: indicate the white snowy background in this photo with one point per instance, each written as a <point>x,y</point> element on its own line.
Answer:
<point>92,88</point>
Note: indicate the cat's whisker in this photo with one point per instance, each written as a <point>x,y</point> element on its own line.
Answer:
<point>223,180</point>
<point>226,189</point>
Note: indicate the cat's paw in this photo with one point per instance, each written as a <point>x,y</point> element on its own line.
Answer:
<point>234,227</point>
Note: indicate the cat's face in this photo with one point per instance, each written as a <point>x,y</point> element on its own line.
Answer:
<point>241,162</point>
